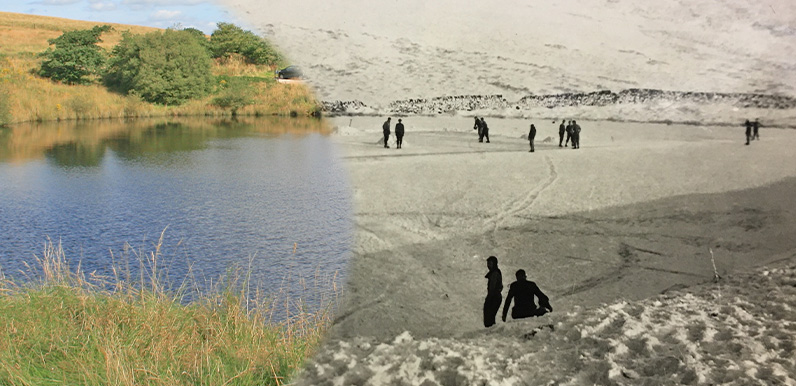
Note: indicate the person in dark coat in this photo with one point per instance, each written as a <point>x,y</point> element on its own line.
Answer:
<point>531,136</point>
<point>575,135</point>
<point>399,133</point>
<point>385,128</point>
<point>569,134</point>
<point>755,128</point>
<point>484,131</point>
<point>494,287</point>
<point>748,131</point>
<point>522,292</point>
<point>561,130</point>
<point>477,126</point>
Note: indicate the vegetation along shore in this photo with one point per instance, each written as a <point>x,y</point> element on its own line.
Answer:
<point>55,69</point>
<point>68,327</point>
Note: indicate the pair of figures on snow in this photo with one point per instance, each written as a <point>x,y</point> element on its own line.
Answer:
<point>399,133</point>
<point>522,292</point>
<point>483,129</point>
<point>752,129</point>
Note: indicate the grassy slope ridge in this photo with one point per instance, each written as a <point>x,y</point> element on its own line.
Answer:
<point>29,97</point>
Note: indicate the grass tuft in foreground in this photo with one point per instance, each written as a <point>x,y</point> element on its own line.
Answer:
<point>63,327</point>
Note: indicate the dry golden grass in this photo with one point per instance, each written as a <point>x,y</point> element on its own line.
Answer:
<point>33,98</point>
<point>236,65</point>
<point>21,33</point>
<point>63,326</point>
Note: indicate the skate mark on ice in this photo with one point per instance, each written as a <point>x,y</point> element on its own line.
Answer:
<point>517,206</point>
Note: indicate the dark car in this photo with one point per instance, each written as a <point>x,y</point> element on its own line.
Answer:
<point>289,72</point>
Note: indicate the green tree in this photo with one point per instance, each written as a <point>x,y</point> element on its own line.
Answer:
<point>168,67</point>
<point>76,56</point>
<point>230,39</point>
<point>201,37</point>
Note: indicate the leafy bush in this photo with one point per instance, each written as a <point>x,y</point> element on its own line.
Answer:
<point>235,94</point>
<point>168,67</point>
<point>230,39</point>
<point>76,56</point>
<point>232,101</point>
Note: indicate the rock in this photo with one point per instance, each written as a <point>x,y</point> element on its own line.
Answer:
<point>629,374</point>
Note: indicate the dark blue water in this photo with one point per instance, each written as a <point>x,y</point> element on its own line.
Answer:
<point>224,195</point>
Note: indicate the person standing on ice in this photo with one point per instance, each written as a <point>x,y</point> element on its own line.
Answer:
<point>569,134</point>
<point>478,127</point>
<point>755,128</point>
<point>748,131</point>
<point>531,136</point>
<point>494,287</point>
<point>522,292</point>
<point>575,135</point>
<point>484,131</point>
<point>385,128</point>
<point>399,134</point>
<point>561,130</point>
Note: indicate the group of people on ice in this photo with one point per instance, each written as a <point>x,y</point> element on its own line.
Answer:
<point>572,131</point>
<point>573,134</point>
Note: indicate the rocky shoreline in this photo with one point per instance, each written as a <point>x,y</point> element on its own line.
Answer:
<point>439,105</point>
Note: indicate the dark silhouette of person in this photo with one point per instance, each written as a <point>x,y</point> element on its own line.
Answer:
<point>522,292</point>
<point>484,131</point>
<point>531,136</point>
<point>478,127</point>
<point>561,130</point>
<point>399,133</point>
<point>755,128</point>
<point>748,131</point>
<point>494,287</point>
<point>575,135</point>
<point>569,134</point>
<point>386,129</point>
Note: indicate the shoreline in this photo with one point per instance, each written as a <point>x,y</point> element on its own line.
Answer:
<point>546,118</point>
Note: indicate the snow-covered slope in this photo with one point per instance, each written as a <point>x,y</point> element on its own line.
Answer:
<point>378,52</point>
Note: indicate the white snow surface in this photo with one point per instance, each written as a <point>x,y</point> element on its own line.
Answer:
<point>379,51</point>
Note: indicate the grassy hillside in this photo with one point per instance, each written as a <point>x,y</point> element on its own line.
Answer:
<point>25,96</point>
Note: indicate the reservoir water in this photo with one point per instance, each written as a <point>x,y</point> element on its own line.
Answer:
<point>270,196</point>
